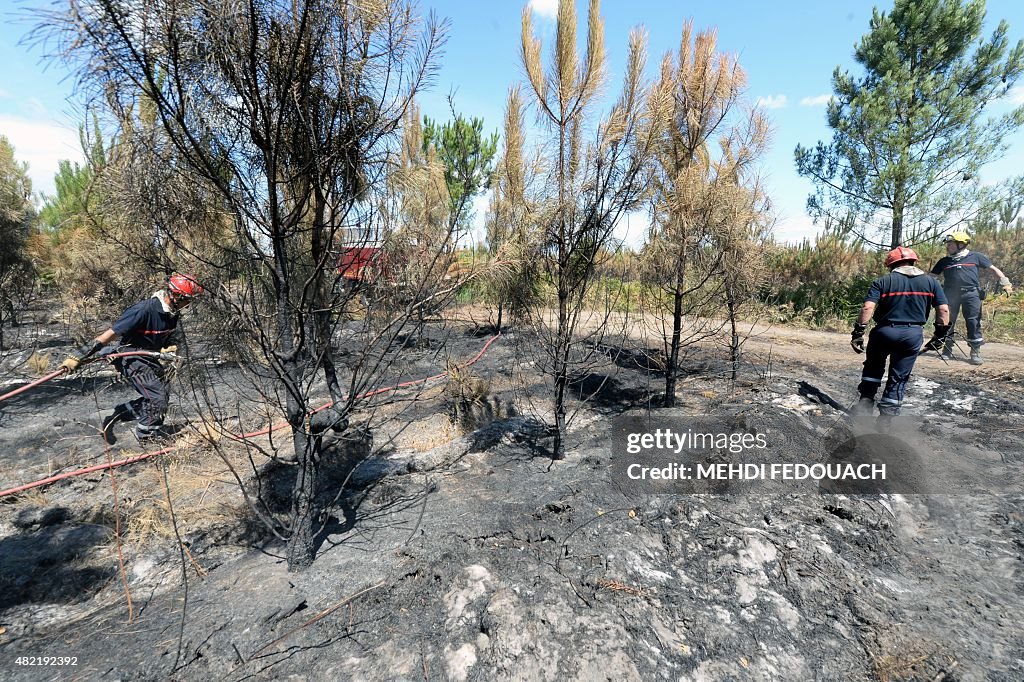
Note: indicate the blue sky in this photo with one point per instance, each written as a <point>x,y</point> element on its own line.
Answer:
<point>789,50</point>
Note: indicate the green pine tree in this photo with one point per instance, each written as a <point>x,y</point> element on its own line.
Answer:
<point>468,158</point>
<point>68,208</point>
<point>16,218</point>
<point>911,133</point>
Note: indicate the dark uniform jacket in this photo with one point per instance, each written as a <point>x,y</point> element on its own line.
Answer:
<point>962,272</point>
<point>905,296</point>
<point>146,325</point>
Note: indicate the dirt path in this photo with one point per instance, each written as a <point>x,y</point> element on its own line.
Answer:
<point>829,349</point>
<point>770,346</point>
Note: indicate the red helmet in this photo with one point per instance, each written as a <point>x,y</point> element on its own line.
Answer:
<point>900,254</point>
<point>184,285</point>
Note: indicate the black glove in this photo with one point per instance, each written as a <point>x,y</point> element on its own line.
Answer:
<point>85,351</point>
<point>88,349</point>
<point>857,338</point>
<point>938,338</point>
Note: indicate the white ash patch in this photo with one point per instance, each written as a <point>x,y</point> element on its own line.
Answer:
<point>648,574</point>
<point>891,585</point>
<point>756,553</point>
<point>797,403</point>
<point>924,386</point>
<point>460,661</point>
<point>964,404</point>
<point>457,600</point>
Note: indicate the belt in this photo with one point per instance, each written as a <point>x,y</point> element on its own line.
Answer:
<point>901,324</point>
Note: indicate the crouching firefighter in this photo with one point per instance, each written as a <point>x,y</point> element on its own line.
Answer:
<point>149,325</point>
<point>899,303</point>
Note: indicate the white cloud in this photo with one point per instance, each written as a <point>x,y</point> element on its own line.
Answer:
<point>41,144</point>
<point>4,94</point>
<point>545,8</point>
<point>816,101</point>
<point>792,229</point>
<point>632,229</point>
<point>36,108</point>
<point>477,233</point>
<point>771,102</point>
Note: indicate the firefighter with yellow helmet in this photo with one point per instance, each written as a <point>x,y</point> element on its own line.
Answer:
<point>959,270</point>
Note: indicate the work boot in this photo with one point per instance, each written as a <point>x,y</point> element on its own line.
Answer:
<point>158,436</point>
<point>976,357</point>
<point>121,413</point>
<point>864,407</point>
<point>946,355</point>
<point>884,423</point>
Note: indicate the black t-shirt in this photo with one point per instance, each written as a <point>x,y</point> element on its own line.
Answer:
<point>902,299</point>
<point>146,326</point>
<point>961,272</point>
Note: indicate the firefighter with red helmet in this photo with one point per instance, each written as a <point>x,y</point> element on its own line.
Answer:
<point>149,325</point>
<point>899,303</point>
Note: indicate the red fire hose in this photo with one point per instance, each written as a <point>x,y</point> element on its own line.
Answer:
<point>51,375</point>
<point>63,370</point>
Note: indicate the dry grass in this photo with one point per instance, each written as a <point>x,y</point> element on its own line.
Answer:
<point>201,493</point>
<point>38,363</point>
<point>198,503</point>
<point>902,666</point>
<point>1003,319</point>
<point>427,434</point>
<point>34,497</point>
<point>617,586</point>
<point>464,387</point>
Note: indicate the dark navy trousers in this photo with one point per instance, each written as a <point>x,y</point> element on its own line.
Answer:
<point>968,299</point>
<point>899,345</point>
<point>147,378</point>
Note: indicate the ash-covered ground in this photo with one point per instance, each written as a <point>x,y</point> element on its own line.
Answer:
<point>462,551</point>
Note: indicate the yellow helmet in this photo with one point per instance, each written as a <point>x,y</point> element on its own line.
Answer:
<point>961,237</point>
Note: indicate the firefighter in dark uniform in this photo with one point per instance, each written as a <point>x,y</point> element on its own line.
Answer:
<point>899,303</point>
<point>962,284</point>
<point>149,325</point>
